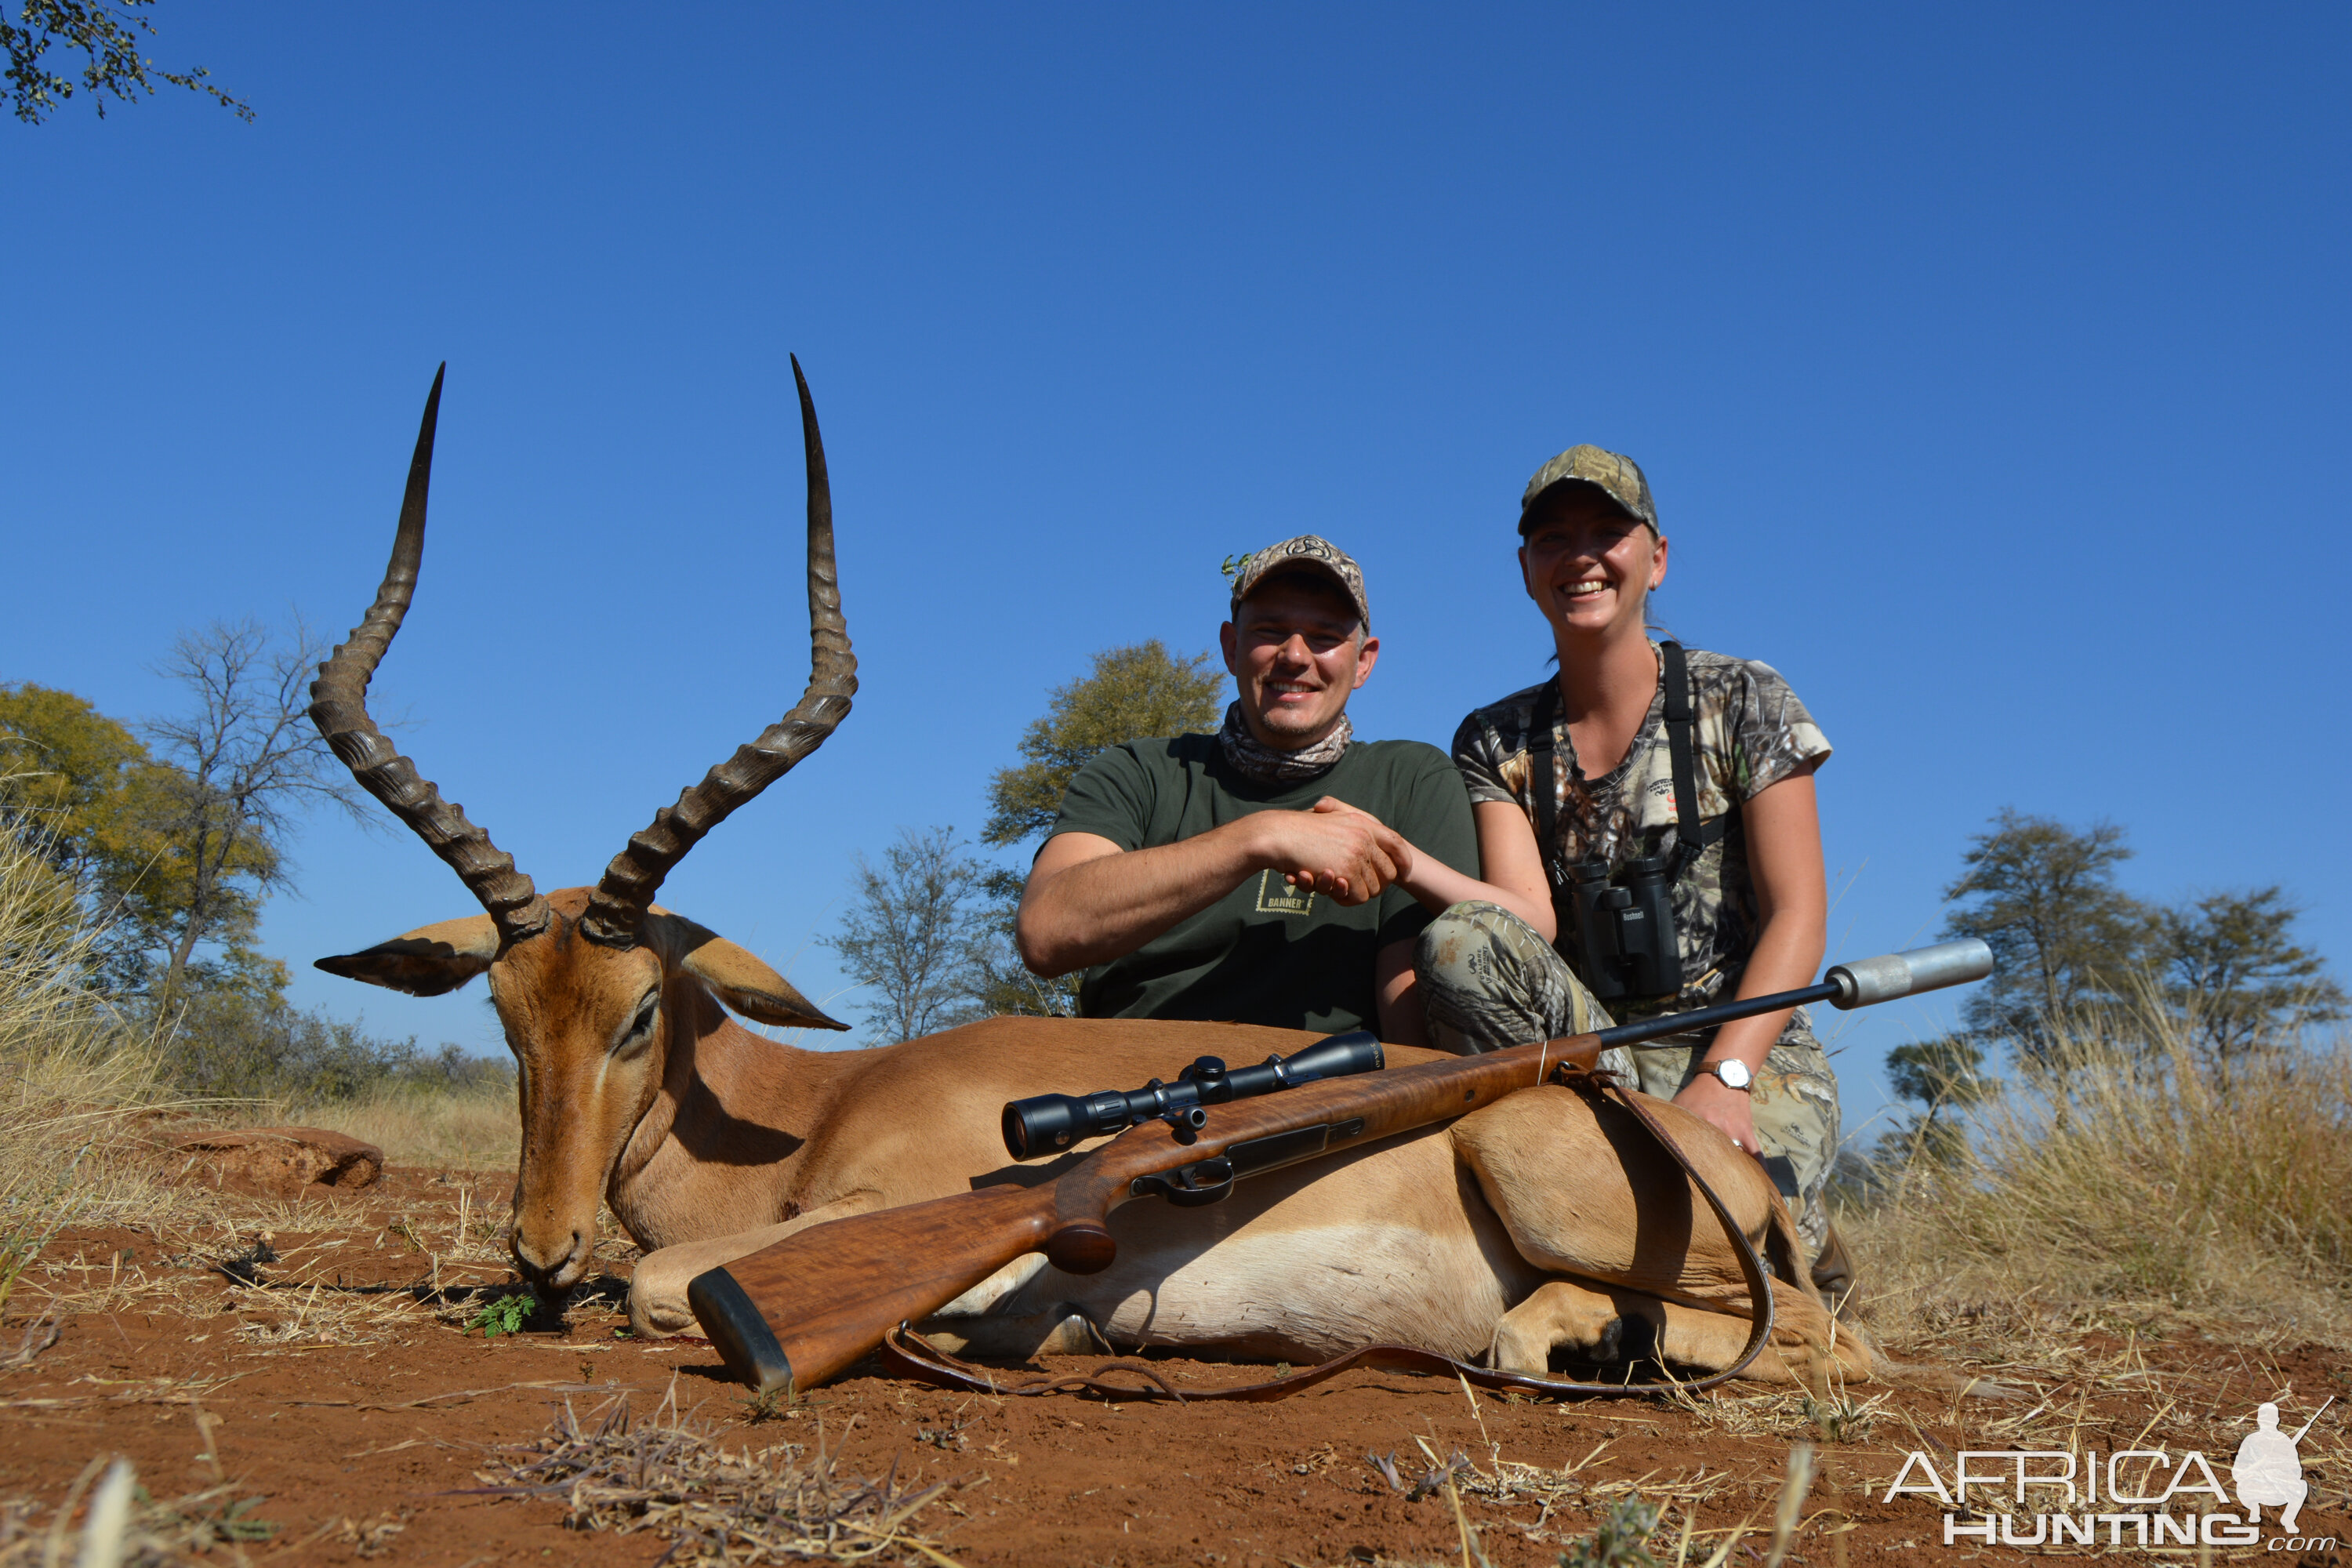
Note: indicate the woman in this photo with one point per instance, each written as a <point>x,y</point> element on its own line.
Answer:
<point>1574,788</point>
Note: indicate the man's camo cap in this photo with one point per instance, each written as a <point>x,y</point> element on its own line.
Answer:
<point>1313,552</point>
<point>1613,474</point>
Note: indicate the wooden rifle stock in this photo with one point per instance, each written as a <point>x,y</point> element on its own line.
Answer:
<point>800,1312</point>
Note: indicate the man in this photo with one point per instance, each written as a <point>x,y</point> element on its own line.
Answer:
<point>1244,876</point>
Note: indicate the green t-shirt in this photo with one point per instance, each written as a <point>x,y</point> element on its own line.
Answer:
<point>1266,953</point>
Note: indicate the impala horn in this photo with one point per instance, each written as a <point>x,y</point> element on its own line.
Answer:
<point>339,707</point>
<point>629,883</point>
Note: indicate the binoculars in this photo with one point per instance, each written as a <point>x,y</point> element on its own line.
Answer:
<point>1044,1122</point>
<point>1624,930</point>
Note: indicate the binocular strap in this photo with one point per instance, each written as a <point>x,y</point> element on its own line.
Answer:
<point>1692,833</point>
<point>906,1354</point>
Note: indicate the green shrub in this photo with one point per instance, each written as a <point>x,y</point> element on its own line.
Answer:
<point>234,1044</point>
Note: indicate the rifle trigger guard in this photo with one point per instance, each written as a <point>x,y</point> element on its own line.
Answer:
<point>1192,1186</point>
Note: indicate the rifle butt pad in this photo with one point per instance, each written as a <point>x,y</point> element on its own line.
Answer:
<point>741,1335</point>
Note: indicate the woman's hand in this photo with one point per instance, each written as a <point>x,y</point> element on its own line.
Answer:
<point>1711,1099</point>
<point>1438,885</point>
<point>1334,848</point>
<point>1784,856</point>
<point>1389,851</point>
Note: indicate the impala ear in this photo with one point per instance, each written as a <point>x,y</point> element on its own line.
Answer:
<point>742,980</point>
<point>429,961</point>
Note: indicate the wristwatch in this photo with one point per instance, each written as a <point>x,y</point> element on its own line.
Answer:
<point>1732,1072</point>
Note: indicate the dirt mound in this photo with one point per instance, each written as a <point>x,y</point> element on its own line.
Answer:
<point>280,1161</point>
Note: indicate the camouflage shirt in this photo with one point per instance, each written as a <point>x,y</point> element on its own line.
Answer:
<point>1750,732</point>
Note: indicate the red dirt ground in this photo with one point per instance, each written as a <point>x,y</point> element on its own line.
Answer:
<point>342,1442</point>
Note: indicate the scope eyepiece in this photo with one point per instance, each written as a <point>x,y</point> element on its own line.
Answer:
<point>1044,1124</point>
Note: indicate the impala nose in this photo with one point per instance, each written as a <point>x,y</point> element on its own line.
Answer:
<point>544,1267</point>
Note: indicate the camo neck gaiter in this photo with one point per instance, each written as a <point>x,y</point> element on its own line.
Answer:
<point>1252,758</point>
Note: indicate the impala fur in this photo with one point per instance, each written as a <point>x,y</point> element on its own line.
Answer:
<point>1534,1226</point>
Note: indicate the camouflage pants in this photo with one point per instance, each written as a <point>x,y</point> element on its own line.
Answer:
<point>1488,981</point>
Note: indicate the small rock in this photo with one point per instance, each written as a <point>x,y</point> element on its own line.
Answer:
<point>280,1161</point>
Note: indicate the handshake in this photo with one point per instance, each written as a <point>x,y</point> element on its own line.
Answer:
<point>1335,849</point>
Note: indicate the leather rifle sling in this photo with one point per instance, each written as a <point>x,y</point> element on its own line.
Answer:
<point>906,1354</point>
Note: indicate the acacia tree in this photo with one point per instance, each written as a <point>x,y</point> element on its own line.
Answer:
<point>66,771</point>
<point>81,791</point>
<point>175,841</point>
<point>2233,970</point>
<point>2064,935</point>
<point>245,764</point>
<point>1130,693</point>
<point>909,933</point>
<point>1944,1074</point>
<point>106,33</point>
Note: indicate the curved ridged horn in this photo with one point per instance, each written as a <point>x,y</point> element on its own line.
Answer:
<point>339,707</point>
<point>630,881</point>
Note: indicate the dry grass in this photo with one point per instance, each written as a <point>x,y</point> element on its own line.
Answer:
<point>74,1078</point>
<point>1653,1520</point>
<point>83,1108</point>
<point>2125,1184</point>
<point>1834,1417</point>
<point>1573,1505</point>
<point>81,1086</point>
<point>676,1478</point>
<point>126,1527</point>
<point>475,1128</point>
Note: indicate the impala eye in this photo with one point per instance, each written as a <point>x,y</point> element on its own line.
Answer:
<point>641,1026</point>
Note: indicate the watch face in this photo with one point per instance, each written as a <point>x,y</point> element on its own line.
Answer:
<point>1733,1073</point>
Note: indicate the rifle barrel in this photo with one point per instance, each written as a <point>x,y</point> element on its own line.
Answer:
<point>1846,985</point>
<point>1666,1024</point>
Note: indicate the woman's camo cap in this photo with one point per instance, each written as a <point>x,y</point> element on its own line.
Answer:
<point>1613,474</point>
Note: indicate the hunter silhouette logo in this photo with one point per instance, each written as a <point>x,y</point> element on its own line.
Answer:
<point>2268,1468</point>
<point>2138,1497</point>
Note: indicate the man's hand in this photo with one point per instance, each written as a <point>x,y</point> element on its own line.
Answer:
<point>1088,901</point>
<point>1335,849</point>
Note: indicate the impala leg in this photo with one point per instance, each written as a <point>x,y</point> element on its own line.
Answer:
<point>989,1320</point>
<point>1592,1324</point>
<point>1808,1348</point>
<point>1598,1325</point>
<point>1061,1330</point>
<point>657,1304</point>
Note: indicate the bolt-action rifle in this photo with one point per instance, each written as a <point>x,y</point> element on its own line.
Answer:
<point>801,1310</point>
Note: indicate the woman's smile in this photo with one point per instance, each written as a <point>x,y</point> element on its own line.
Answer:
<point>1588,563</point>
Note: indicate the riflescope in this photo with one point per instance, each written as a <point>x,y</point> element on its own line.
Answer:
<point>1044,1122</point>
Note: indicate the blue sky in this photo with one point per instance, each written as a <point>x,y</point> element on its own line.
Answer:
<point>1987,363</point>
